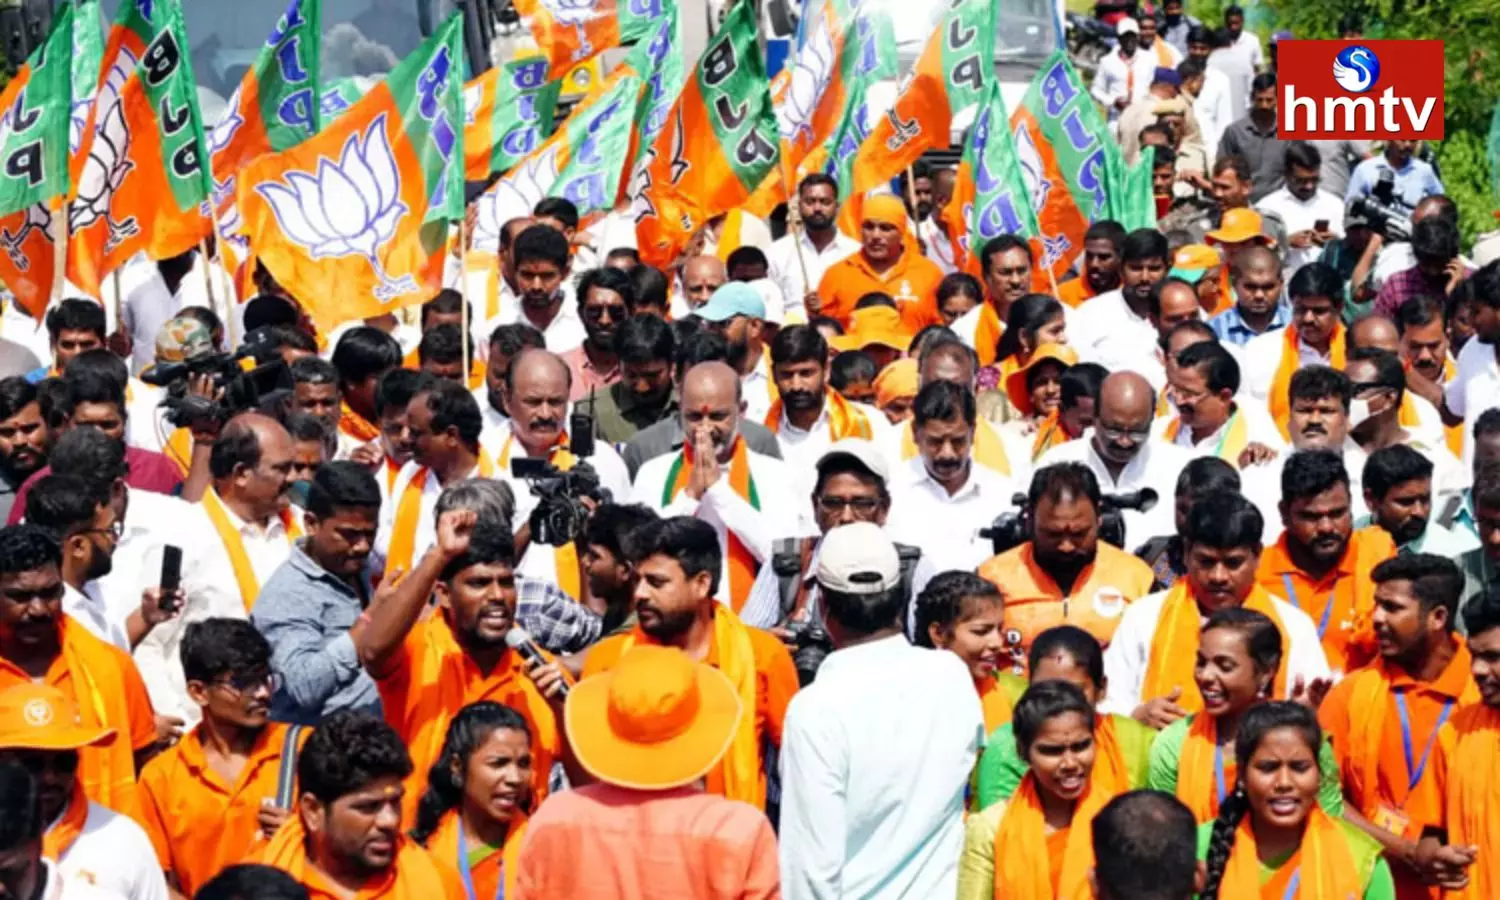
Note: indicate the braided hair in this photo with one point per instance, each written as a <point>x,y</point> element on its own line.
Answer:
<point>1258,722</point>
<point>445,780</point>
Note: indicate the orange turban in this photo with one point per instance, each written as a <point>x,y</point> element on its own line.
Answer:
<point>897,380</point>
<point>885,208</point>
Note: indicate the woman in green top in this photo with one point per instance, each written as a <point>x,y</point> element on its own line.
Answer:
<point>1193,758</point>
<point>1271,840</point>
<point>1065,653</point>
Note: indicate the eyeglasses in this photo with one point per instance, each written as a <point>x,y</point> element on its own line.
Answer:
<point>244,684</point>
<point>116,530</point>
<point>1109,432</point>
<point>862,506</point>
<point>595,313</point>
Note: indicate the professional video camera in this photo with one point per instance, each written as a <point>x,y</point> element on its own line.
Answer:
<point>1012,529</point>
<point>250,378</point>
<point>560,515</point>
<point>810,646</point>
<point>1387,213</point>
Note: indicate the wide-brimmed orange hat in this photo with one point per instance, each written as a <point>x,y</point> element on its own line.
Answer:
<point>874,325</point>
<point>657,720</point>
<point>1237,226</point>
<point>38,717</point>
<point>1015,382</point>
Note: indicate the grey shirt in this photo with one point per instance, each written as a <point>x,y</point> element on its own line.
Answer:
<point>666,437</point>
<point>305,613</point>
<point>1264,151</point>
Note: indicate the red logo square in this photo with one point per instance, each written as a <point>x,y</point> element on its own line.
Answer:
<point>1359,90</point>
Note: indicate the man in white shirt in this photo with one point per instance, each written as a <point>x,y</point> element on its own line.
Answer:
<point>1117,331</point>
<point>1213,418</point>
<point>799,259</point>
<point>1245,44</point>
<point>1316,292</point>
<point>158,291</point>
<point>886,726</point>
<point>747,497</point>
<point>546,303</point>
<point>1476,387</point>
<point>1378,382</point>
<point>1116,84</point>
<point>1123,457</point>
<point>1312,216</point>
<point>506,343</point>
<point>699,277</point>
<point>1209,90</point>
<point>940,499</point>
<point>738,312</point>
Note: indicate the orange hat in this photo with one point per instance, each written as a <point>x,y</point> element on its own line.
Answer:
<point>1237,226</point>
<point>1192,261</point>
<point>657,720</point>
<point>896,381</point>
<point>886,208</point>
<point>38,717</point>
<point>874,325</point>
<point>1015,382</point>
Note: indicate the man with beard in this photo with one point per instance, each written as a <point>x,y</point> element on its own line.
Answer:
<point>430,666</point>
<point>1312,216</point>
<point>1006,263</point>
<point>738,312</point>
<point>41,729</point>
<point>542,266</point>
<point>1424,351</point>
<point>1115,84</point>
<point>1377,413</point>
<point>315,392</point>
<point>1123,316</point>
<point>1149,664</point>
<point>799,259</point>
<point>392,396</point>
<point>611,575</point>
<point>887,263</point>
<point>1321,564</point>
<point>1255,275</point>
<point>1473,801</point>
<point>933,230</point>
<point>345,837</point>
<point>1064,575</point>
<point>1314,336</point>
<point>604,300</point>
<point>74,326</point>
<point>679,562</point>
<point>1476,385</point>
<point>1102,244</point>
<point>506,343</point>
<point>747,498</point>
<point>1213,102</point>
<point>642,396</point>
<point>1398,491</point>
<point>310,607</point>
<point>1376,333</point>
<point>24,438</point>
<point>1254,138</point>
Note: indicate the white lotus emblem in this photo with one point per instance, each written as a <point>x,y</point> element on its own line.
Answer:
<point>1037,186</point>
<point>576,13</point>
<point>38,218</point>
<point>349,208</point>
<point>810,80</point>
<point>109,161</point>
<point>514,196</point>
<point>223,134</point>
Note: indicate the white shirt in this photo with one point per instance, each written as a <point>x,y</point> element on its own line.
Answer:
<point>87,608</point>
<point>1017,447</point>
<point>1247,46</point>
<point>1261,357</point>
<point>801,450</point>
<point>755,389</point>
<point>1129,651</point>
<point>426,533</point>
<point>1474,388</point>
<point>1155,466</point>
<point>1213,108</point>
<point>149,305</point>
<point>565,331</point>
<point>1112,335</point>
<point>18,326</point>
<point>1301,215</point>
<point>538,561</point>
<point>875,760</point>
<point>1146,62</point>
<point>939,246</point>
<point>726,510</point>
<point>786,268</point>
<point>151,522</point>
<point>114,854</point>
<point>65,887</point>
<point>1115,79</point>
<point>946,526</point>
<point>1261,485</point>
<point>1260,429</point>
<point>496,423</point>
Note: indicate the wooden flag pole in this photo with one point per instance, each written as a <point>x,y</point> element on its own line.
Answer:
<point>60,249</point>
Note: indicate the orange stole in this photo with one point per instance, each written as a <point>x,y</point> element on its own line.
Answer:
<point>234,545</point>
<point>107,773</point>
<point>409,512</point>
<point>987,333</point>
<point>1174,646</point>
<point>742,564</point>
<point>1324,866</point>
<point>1197,772</point>
<point>414,874</point>
<point>60,837</point>
<point>1473,800</point>
<point>357,426</point>
<point>996,702</point>
<point>448,846</point>
<point>1236,437</point>
<point>844,419</point>
<point>1049,434</point>
<point>1278,401</point>
<point>988,451</point>
<point>564,558</point>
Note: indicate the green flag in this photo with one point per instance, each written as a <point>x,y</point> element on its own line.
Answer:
<point>989,188</point>
<point>88,53</point>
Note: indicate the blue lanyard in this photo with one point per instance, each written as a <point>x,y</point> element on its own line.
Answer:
<point>1219,770</point>
<point>466,875</point>
<point>1291,594</point>
<point>1291,886</point>
<point>1414,772</point>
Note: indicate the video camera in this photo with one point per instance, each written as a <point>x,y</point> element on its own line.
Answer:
<point>1387,213</point>
<point>560,515</point>
<point>1012,529</point>
<point>251,379</point>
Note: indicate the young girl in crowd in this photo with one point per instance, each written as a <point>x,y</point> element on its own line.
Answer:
<point>1272,840</point>
<point>965,614</point>
<point>473,816</point>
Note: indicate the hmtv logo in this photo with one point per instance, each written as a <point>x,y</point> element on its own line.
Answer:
<point>1359,90</point>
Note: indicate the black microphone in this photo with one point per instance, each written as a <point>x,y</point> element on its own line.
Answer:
<point>520,640</point>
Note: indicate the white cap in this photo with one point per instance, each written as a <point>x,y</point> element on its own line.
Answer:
<point>858,559</point>
<point>1486,249</point>
<point>863,452</point>
<point>1127,26</point>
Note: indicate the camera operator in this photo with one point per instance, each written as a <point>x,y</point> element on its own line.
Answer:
<point>1390,249</point>
<point>1414,179</point>
<point>1064,575</point>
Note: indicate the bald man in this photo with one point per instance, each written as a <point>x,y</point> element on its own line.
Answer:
<point>715,477</point>
<point>1255,275</point>
<point>1119,451</point>
<point>1417,415</point>
<point>699,278</point>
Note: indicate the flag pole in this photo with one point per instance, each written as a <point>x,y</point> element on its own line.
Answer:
<point>59,249</point>
<point>463,291</point>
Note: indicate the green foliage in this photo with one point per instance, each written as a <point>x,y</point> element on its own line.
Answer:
<point>1466,177</point>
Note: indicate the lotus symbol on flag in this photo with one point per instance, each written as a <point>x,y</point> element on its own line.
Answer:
<point>348,208</point>
<point>1032,168</point>
<point>575,13</point>
<point>38,218</point>
<point>810,78</point>
<point>514,196</point>
<point>109,161</point>
<point>223,134</point>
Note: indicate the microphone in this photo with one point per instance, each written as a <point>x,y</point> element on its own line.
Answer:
<point>521,641</point>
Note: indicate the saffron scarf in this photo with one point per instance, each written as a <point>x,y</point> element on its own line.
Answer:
<point>60,837</point>
<point>239,561</point>
<point>483,880</point>
<point>1325,867</point>
<point>845,420</point>
<point>107,773</point>
<point>1278,401</point>
<point>1232,442</point>
<point>742,564</point>
<point>179,448</point>
<point>996,701</point>
<point>1205,771</point>
<point>987,333</point>
<point>1473,801</point>
<point>409,512</point>
<point>1174,646</point>
<point>738,775</point>
<point>565,557</point>
<point>357,426</point>
<point>729,234</point>
<point>987,451</point>
<point>1049,434</point>
<point>413,874</point>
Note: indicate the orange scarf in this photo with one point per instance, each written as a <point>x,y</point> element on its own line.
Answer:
<point>1203,769</point>
<point>988,451</point>
<point>484,879</point>
<point>739,774</point>
<point>996,702</point>
<point>179,449</point>
<point>357,426</point>
<point>60,837</point>
<point>845,420</point>
<point>564,558</point>
<point>1324,866</point>
<point>234,545</point>
<point>987,333</point>
<point>409,512</point>
<point>1049,434</point>
<point>1279,400</point>
<point>414,874</point>
<point>107,773</point>
<point>1174,646</point>
<point>742,564</point>
<point>1235,439</point>
<point>1473,801</point>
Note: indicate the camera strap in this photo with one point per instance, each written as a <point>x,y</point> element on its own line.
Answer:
<point>804,558</point>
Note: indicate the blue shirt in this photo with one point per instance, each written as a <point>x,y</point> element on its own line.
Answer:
<point>1414,181</point>
<point>1230,328</point>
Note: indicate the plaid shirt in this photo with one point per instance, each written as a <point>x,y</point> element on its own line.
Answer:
<point>1406,284</point>
<point>559,623</point>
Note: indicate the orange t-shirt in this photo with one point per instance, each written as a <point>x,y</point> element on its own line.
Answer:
<point>1339,603</point>
<point>1074,291</point>
<point>109,692</point>
<point>1034,602</point>
<point>414,874</point>
<point>912,282</point>
<point>198,824</point>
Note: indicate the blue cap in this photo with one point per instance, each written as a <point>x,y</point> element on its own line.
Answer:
<point>1164,75</point>
<point>734,298</point>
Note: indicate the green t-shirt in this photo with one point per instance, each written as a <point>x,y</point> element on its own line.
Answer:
<point>1001,767</point>
<point>1166,755</point>
<point>1378,882</point>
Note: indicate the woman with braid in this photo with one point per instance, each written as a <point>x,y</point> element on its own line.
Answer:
<point>1271,839</point>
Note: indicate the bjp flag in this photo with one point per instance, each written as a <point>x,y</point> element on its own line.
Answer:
<point>718,144</point>
<point>34,125</point>
<point>88,54</point>
<point>989,194</point>
<point>657,60</point>
<point>140,178</point>
<point>571,31</point>
<point>508,112</point>
<point>354,222</point>
<point>276,107</point>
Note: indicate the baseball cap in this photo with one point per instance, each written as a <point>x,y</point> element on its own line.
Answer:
<point>858,558</point>
<point>735,298</point>
<point>1128,25</point>
<point>40,717</point>
<point>183,338</point>
<point>1015,381</point>
<point>861,451</point>
<point>1192,261</point>
<point>1237,226</point>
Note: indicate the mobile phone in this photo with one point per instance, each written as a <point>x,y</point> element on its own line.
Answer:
<point>1320,225</point>
<point>171,574</point>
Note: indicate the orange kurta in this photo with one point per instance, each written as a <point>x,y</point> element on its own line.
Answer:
<point>198,823</point>
<point>103,682</point>
<point>414,875</point>
<point>1034,602</point>
<point>1074,291</point>
<point>1470,745</point>
<point>912,282</point>
<point>1341,601</point>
